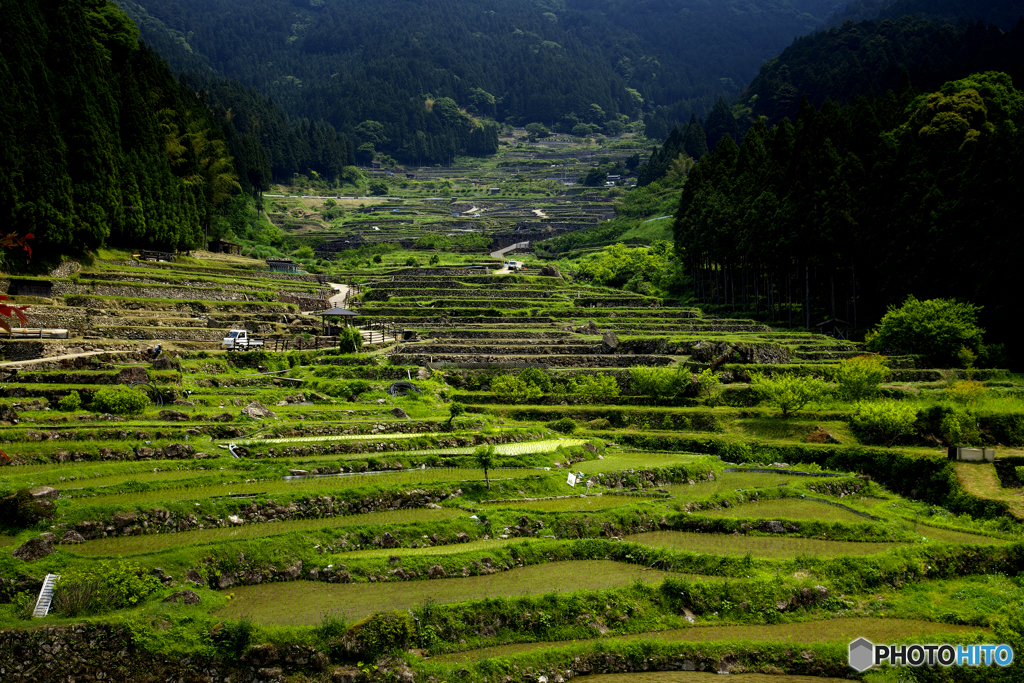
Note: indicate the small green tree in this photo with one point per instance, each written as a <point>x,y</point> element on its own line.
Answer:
<point>484,456</point>
<point>120,401</point>
<point>511,389</point>
<point>566,425</point>
<point>537,130</point>
<point>593,388</point>
<point>707,382</point>
<point>435,259</point>
<point>304,253</point>
<point>70,402</point>
<point>456,409</point>
<point>936,329</point>
<point>860,376</point>
<point>659,383</point>
<point>966,391</point>
<point>537,378</point>
<point>884,422</point>
<point>787,392</point>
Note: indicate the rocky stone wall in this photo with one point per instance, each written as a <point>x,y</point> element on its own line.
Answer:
<point>172,333</point>
<point>261,274</point>
<point>473,361</point>
<point>159,520</point>
<point>107,653</point>
<point>27,349</point>
<point>153,292</point>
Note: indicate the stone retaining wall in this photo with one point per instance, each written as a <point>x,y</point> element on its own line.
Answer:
<point>107,653</point>
<point>595,361</point>
<point>142,292</point>
<point>15,350</point>
<point>261,274</point>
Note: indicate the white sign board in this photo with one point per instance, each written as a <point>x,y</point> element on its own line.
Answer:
<point>571,480</point>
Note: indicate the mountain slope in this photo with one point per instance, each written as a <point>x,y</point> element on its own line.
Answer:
<point>557,62</point>
<point>870,57</point>
<point>1002,13</point>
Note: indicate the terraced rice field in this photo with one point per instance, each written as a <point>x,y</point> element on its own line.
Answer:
<point>334,470</point>
<point>302,602</point>
<point>757,546</point>
<point>151,543</point>
<point>788,508</point>
<point>831,631</point>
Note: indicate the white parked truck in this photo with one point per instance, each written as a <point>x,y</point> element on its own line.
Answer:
<point>240,340</point>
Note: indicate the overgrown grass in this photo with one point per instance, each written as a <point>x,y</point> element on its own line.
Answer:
<point>756,546</point>
<point>829,631</point>
<point>299,603</point>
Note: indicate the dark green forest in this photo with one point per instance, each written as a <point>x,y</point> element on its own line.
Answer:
<point>863,59</point>
<point>1002,13</point>
<point>870,58</point>
<point>849,209</point>
<point>101,145</point>
<point>433,74</point>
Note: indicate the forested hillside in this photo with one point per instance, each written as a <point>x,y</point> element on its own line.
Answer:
<point>850,209</point>
<point>101,145</point>
<point>870,58</point>
<point>432,74</point>
<point>1002,13</point>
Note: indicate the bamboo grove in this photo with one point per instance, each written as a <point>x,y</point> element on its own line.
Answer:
<point>849,209</point>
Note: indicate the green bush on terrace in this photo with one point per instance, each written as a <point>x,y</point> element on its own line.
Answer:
<point>119,401</point>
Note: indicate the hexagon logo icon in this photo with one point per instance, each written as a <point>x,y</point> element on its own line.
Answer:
<point>862,654</point>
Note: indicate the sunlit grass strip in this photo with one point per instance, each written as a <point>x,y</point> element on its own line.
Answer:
<point>433,550</point>
<point>407,477</point>
<point>827,631</point>
<point>302,602</point>
<point>771,547</point>
<point>136,545</point>
<point>546,446</point>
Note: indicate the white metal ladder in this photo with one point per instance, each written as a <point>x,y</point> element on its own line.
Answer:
<point>45,596</point>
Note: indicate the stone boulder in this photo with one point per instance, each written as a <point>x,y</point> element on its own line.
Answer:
<point>589,328</point>
<point>47,492</point>
<point>257,411</point>
<point>72,537</point>
<point>173,415</point>
<point>165,362</point>
<point>549,271</point>
<point>185,597</point>
<point>437,572</point>
<point>176,450</point>
<point>33,549</point>
<point>399,413</point>
<point>610,341</point>
<point>7,413</point>
<point>136,373</point>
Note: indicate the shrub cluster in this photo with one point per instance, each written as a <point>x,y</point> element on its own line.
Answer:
<point>120,401</point>
<point>103,587</point>
<point>70,403</point>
